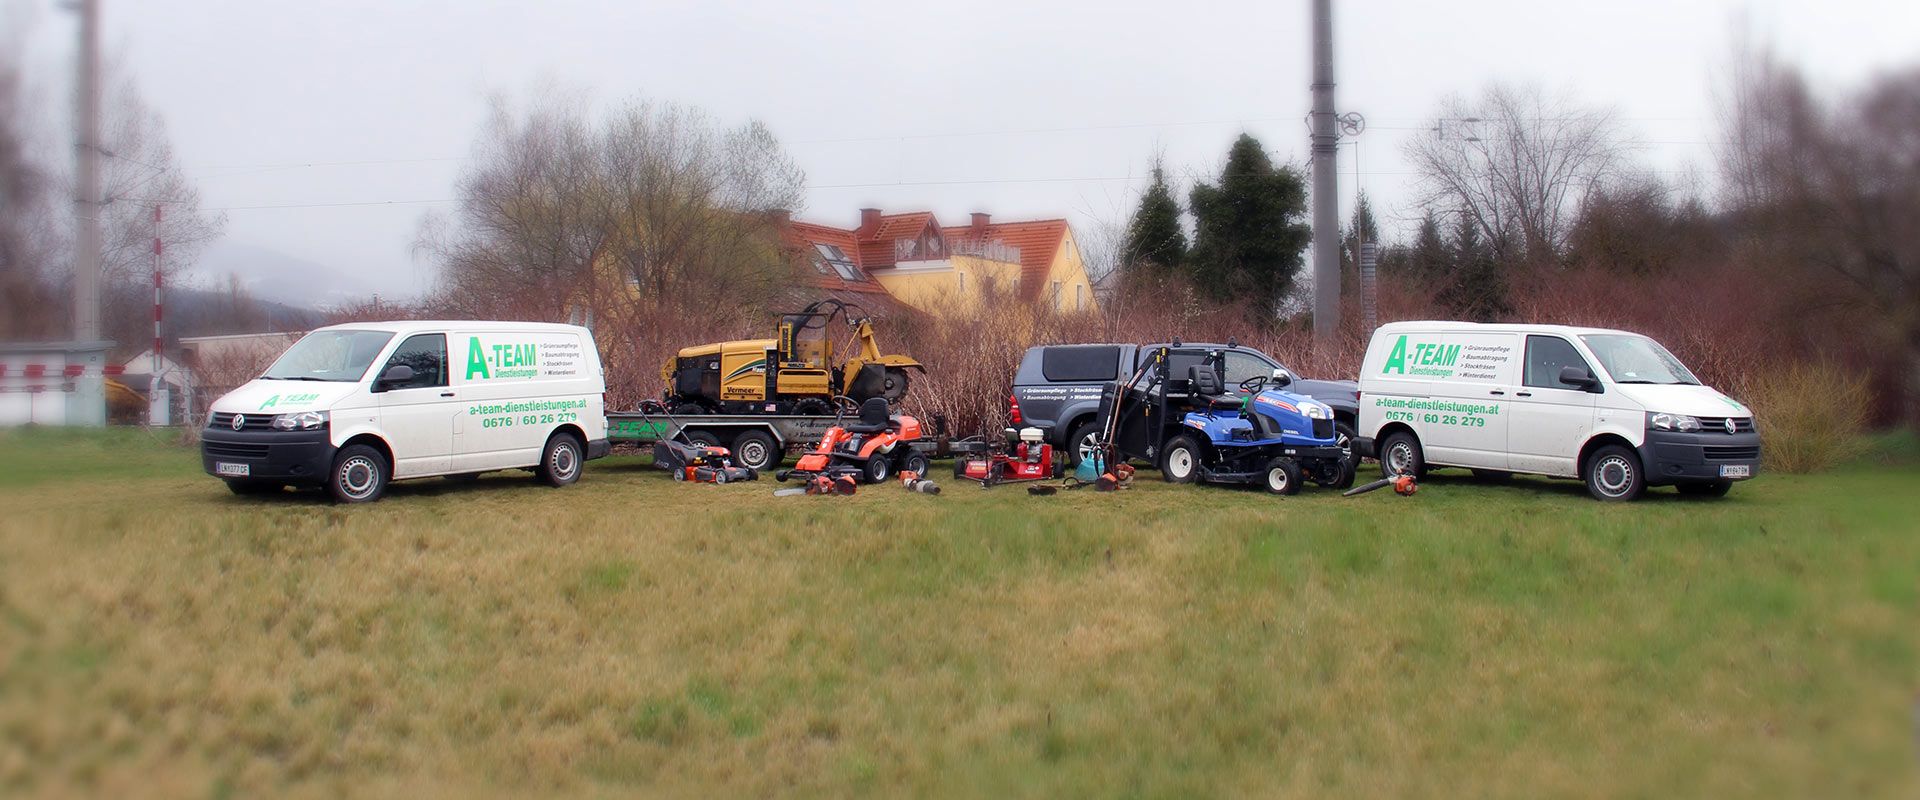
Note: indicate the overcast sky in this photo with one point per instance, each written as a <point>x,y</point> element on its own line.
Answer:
<point>327,129</point>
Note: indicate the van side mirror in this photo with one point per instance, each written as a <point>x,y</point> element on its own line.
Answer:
<point>394,376</point>
<point>1579,376</point>
<point>1281,378</point>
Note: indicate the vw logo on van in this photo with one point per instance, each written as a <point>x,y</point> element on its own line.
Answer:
<point>239,421</point>
<point>1730,425</point>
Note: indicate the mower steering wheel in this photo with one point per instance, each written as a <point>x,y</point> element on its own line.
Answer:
<point>842,406</point>
<point>1254,384</point>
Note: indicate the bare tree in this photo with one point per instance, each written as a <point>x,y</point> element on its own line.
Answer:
<point>563,213</point>
<point>1517,163</point>
<point>1835,186</point>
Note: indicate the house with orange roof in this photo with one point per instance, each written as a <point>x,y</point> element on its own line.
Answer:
<point>911,259</point>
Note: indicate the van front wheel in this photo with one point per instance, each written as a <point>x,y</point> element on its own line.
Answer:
<point>1613,473</point>
<point>560,460</point>
<point>359,475</point>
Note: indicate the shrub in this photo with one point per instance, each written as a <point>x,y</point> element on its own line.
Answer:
<point>1812,416</point>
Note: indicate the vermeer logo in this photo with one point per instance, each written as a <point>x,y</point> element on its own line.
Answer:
<point>501,360</point>
<point>1424,359</point>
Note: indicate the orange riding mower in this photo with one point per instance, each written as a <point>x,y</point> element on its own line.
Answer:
<point>871,448</point>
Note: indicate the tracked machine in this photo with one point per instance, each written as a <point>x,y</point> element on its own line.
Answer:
<point>795,372</point>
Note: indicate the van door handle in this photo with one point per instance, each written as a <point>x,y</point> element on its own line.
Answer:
<point>446,394</point>
<point>1522,394</point>
<point>1497,392</point>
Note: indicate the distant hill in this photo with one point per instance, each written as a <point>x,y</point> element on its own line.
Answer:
<point>271,275</point>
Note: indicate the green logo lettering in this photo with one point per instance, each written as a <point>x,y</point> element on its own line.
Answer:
<point>271,402</point>
<point>476,360</point>
<point>1397,360</point>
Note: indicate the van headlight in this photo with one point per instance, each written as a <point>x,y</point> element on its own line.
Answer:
<point>1316,411</point>
<point>300,421</point>
<point>1673,422</point>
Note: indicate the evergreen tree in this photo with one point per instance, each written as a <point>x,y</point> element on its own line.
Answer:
<point>1155,239</point>
<point>1428,256</point>
<point>1250,230</point>
<point>1362,228</point>
<point>1475,285</point>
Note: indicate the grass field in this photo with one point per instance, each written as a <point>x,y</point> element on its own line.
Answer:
<point>159,636</point>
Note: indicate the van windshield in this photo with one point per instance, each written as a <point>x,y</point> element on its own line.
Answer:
<point>1637,359</point>
<point>329,356</point>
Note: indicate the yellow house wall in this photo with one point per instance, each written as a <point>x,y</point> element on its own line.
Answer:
<point>1069,271</point>
<point>942,291</point>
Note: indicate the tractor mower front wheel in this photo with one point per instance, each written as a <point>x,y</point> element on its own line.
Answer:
<point>1283,476</point>
<point>1180,463</point>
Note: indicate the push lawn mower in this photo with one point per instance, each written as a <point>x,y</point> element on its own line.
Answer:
<point>700,463</point>
<point>1025,456</point>
<point>872,448</point>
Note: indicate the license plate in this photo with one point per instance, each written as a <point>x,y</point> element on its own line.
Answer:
<point>1736,471</point>
<point>231,470</point>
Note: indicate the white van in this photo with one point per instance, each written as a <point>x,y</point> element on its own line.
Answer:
<point>351,407</point>
<point>1612,408</point>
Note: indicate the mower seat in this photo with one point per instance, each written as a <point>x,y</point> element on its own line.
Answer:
<point>873,417</point>
<point>1203,385</point>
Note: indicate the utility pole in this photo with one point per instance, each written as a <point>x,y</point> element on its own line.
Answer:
<point>1326,213</point>
<point>88,203</point>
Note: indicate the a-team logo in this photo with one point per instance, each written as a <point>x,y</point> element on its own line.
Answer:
<point>239,421</point>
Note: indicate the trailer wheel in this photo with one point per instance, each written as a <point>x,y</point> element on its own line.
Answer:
<point>756,450</point>
<point>702,439</point>
<point>1181,461</point>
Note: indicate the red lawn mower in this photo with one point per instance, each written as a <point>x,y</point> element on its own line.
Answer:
<point>1025,456</point>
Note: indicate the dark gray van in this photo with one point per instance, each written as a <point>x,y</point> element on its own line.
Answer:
<point>1058,386</point>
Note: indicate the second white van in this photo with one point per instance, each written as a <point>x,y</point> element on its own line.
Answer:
<point>353,407</point>
<point>1611,408</point>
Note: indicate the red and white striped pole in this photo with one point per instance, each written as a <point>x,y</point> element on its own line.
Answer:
<point>154,383</point>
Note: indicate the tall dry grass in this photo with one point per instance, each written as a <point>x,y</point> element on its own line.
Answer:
<point>1811,415</point>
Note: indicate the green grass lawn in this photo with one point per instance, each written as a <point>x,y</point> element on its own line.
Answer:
<point>159,636</point>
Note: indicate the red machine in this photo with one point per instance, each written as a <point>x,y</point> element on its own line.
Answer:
<point>700,463</point>
<point>872,448</point>
<point>1025,457</point>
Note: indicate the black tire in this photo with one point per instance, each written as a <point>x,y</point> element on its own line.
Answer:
<point>561,460</point>
<point>1180,461</point>
<point>1713,489</point>
<point>1394,459</point>
<point>359,475</point>
<point>916,462</point>
<point>1342,476</point>
<point>960,466</point>
<point>1613,474</point>
<point>813,407</point>
<point>689,409</point>
<point>1079,440</point>
<point>756,450</point>
<point>878,469</point>
<point>254,488</point>
<point>1283,476</point>
<point>1492,475</point>
<point>1343,437</point>
<point>702,439</point>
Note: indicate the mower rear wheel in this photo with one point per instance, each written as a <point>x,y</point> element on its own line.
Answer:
<point>1342,476</point>
<point>878,469</point>
<point>917,463</point>
<point>1283,476</point>
<point>1180,463</point>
